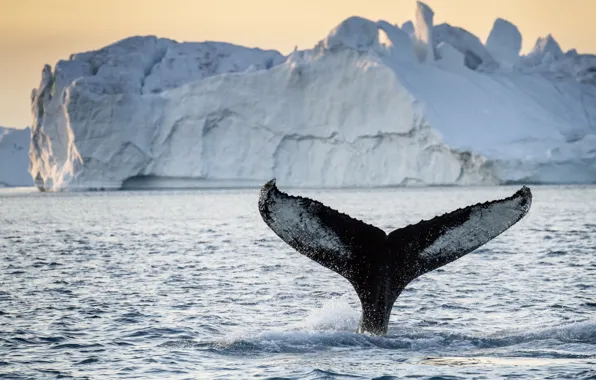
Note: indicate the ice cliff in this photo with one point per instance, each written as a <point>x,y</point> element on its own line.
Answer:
<point>14,157</point>
<point>371,104</point>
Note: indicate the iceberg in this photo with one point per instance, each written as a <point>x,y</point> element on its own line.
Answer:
<point>370,105</point>
<point>14,157</point>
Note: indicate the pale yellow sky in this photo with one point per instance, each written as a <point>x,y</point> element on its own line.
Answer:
<point>35,32</point>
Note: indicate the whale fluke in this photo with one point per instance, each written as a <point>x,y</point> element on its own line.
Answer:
<point>380,265</point>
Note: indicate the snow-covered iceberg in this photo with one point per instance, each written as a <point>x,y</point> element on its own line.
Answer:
<point>369,105</point>
<point>14,157</point>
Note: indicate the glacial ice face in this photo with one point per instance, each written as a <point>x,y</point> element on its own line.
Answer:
<point>14,157</point>
<point>359,109</point>
<point>504,43</point>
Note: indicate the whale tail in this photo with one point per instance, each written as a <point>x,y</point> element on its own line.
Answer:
<point>380,265</point>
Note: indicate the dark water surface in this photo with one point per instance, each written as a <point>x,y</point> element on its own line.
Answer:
<point>192,284</point>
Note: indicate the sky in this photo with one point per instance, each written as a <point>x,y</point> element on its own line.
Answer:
<point>36,32</point>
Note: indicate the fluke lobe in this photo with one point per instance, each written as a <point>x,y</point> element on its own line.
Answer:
<point>380,265</point>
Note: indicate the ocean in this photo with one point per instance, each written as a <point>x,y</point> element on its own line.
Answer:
<point>191,284</point>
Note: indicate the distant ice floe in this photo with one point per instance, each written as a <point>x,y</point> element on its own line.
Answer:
<point>14,157</point>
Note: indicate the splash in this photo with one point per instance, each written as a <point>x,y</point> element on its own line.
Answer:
<point>336,314</point>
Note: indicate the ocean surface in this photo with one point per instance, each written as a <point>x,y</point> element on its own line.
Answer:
<point>193,285</point>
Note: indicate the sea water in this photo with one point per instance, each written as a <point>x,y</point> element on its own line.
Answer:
<point>191,284</point>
